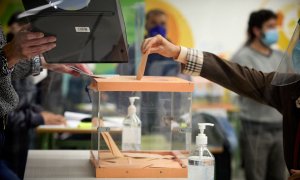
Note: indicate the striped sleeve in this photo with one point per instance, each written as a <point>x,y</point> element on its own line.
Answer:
<point>194,62</point>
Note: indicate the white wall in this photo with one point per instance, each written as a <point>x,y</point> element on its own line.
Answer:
<point>219,26</point>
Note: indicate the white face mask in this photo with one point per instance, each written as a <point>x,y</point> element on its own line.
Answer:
<point>39,78</point>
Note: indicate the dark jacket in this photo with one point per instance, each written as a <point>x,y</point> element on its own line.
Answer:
<point>9,101</point>
<point>27,114</point>
<point>257,85</point>
<point>19,124</point>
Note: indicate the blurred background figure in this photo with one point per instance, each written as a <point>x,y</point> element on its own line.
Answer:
<point>157,65</point>
<point>14,25</point>
<point>261,132</point>
<point>27,116</point>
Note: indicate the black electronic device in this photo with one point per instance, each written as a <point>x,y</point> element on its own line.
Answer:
<point>87,31</point>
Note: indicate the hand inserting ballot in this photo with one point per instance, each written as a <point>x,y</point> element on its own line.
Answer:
<point>160,45</point>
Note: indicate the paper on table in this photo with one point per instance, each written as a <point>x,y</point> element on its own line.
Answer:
<point>142,66</point>
<point>72,123</point>
<point>73,120</point>
<point>52,126</point>
<point>76,116</point>
<point>113,121</point>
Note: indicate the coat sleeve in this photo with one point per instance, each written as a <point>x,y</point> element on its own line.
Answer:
<point>242,80</point>
<point>25,118</point>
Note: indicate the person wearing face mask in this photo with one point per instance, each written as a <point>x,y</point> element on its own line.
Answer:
<point>157,65</point>
<point>261,125</point>
<point>155,24</point>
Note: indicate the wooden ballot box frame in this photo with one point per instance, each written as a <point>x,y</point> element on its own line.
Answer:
<point>146,84</point>
<point>179,171</point>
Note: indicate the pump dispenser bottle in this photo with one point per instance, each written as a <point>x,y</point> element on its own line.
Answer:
<point>201,162</point>
<point>131,134</point>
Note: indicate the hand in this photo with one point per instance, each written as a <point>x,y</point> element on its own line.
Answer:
<point>295,174</point>
<point>293,171</point>
<point>64,68</point>
<point>53,119</point>
<point>162,46</point>
<point>26,45</point>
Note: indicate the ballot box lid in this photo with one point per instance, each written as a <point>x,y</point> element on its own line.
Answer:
<point>146,84</point>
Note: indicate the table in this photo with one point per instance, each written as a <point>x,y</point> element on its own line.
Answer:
<point>229,107</point>
<point>54,129</point>
<point>48,142</point>
<point>63,165</point>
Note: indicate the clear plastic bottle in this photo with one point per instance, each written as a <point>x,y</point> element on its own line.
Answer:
<point>201,163</point>
<point>131,134</point>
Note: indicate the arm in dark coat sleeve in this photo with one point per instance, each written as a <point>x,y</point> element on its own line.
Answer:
<point>27,111</point>
<point>241,80</point>
<point>24,119</point>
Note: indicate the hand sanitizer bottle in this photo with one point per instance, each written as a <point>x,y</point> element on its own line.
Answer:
<point>131,135</point>
<point>201,163</point>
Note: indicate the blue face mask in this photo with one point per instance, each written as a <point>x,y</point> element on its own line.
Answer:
<point>296,56</point>
<point>157,30</point>
<point>270,37</point>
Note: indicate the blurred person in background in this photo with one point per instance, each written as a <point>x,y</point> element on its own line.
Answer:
<point>157,65</point>
<point>26,116</point>
<point>261,131</point>
<point>156,24</point>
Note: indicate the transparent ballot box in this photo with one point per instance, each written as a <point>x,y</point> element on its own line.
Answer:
<point>141,128</point>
